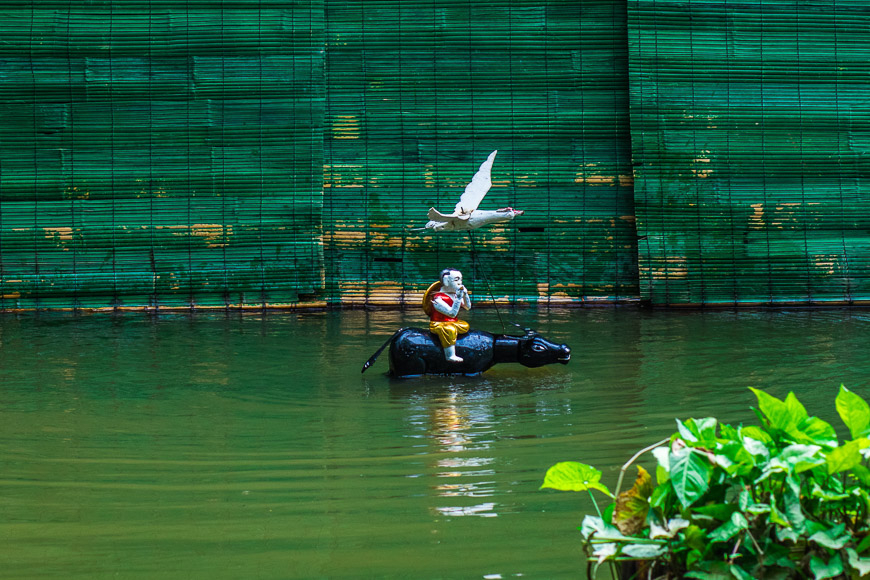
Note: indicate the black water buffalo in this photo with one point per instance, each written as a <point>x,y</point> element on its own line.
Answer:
<point>415,351</point>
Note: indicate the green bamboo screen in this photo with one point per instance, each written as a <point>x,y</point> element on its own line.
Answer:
<point>274,152</point>
<point>419,93</point>
<point>751,132</point>
<point>160,153</point>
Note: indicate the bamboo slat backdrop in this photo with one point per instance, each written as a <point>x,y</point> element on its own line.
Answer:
<point>160,153</point>
<point>420,91</point>
<point>751,125</point>
<point>273,152</point>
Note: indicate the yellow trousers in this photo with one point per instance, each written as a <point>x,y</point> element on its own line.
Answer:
<point>447,332</point>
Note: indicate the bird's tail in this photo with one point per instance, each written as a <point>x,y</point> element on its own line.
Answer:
<point>434,226</point>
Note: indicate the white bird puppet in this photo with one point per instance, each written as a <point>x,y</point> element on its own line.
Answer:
<point>466,216</point>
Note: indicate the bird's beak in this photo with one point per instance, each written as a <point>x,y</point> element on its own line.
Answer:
<point>514,212</point>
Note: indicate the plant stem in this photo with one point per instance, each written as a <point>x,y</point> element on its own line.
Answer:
<point>613,571</point>
<point>735,550</point>
<point>757,547</point>
<point>633,458</point>
<point>595,503</point>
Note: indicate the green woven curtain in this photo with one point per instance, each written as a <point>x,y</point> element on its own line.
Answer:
<point>750,137</point>
<point>420,92</point>
<point>160,153</point>
<point>278,153</point>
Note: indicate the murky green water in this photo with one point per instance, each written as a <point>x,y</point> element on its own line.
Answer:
<point>214,446</point>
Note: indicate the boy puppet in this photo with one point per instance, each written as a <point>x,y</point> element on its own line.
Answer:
<point>443,305</point>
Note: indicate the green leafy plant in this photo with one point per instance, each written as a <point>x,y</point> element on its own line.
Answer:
<point>784,499</point>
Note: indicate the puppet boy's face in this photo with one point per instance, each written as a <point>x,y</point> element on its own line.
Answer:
<point>452,281</point>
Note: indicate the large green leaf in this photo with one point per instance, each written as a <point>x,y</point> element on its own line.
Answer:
<point>854,411</point>
<point>827,494</point>
<point>776,555</point>
<point>604,551</point>
<point>632,505</point>
<point>662,496</point>
<point>791,417</point>
<point>719,511</point>
<point>862,474</point>
<point>756,433</point>
<point>830,569</point>
<point>728,432</point>
<point>662,456</point>
<point>846,456</point>
<point>747,505</point>
<point>779,414</point>
<point>788,535</point>
<point>668,530</point>
<point>729,529</point>
<point>860,565</point>
<point>699,431</point>
<point>662,475</point>
<point>791,500</point>
<point>685,432</point>
<point>595,530</point>
<point>795,408</point>
<point>776,517</point>
<point>690,475</point>
<point>595,526</point>
<point>740,573</point>
<point>644,551</point>
<point>865,543</point>
<point>755,447</point>
<point>815,430</point>
<point>695,537</point>
<point>574,476</point>
<point>797,458</point>
<point>834,538</point>
<point>734,451</point>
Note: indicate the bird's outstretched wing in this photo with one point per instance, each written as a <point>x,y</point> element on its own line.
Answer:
<point>474,191</point>
<point>437,216</point>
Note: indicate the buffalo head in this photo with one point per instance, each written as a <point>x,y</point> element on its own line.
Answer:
<point>536,351</point>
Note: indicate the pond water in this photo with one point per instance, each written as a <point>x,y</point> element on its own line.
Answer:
<point>250,446</point>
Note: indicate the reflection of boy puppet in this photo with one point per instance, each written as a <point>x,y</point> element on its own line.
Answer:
<point>442,305</point>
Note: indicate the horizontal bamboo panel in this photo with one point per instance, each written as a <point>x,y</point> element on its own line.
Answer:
<point>420,92</point>
<point>161,155</point>
<point>750,130</point>
<point>279,152</point>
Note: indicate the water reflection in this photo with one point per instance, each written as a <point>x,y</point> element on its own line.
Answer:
<point>459,425</point>
<point>459,429</point>
<point>451,424</point>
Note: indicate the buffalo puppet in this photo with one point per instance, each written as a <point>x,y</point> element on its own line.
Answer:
<point>415,351</point>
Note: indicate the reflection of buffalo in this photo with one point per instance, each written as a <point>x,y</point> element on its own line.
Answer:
<point>414,351</point>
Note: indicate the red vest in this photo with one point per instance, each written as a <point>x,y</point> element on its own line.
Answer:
<point>437,316</point>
